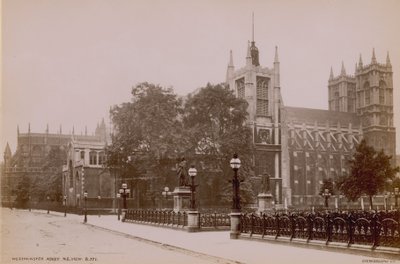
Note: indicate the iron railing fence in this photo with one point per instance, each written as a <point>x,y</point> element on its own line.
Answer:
<point>161,217</point>
<point>179,219</point>
<point>367,228</point>
<point>214,220</point>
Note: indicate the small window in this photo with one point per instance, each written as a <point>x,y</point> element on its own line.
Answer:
<point>92,157</point>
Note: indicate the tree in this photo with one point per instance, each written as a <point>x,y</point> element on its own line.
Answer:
<point>147,134</point>
<point>214,123</point>
<point>22,191</point>
<point>49,183</point>
<point>370,170</point>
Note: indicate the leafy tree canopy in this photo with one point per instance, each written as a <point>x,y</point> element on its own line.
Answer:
<point>370,170</point>
<point>214,121</point>
<point>146,128</point>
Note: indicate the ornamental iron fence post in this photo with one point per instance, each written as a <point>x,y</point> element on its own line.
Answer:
<point>328,226</point>
<point>310,226</point>
<point>277,224</point>
<point>263,225</point>
<point>292,225</point>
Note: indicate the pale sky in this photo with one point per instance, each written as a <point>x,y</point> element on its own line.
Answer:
<point>67,61</point>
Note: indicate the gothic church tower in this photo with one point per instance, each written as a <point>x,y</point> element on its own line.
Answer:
<point>260,87</point>
<point>374,104</point>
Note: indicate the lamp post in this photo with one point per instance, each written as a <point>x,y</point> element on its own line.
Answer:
<point>85,195</point>
<point>98,204</point>
<point>192,174</point>
<point>396,196</point>
<point>235,214</point>
<point>119,209</point>
<point>29,201</point>
<point>65,205</point>
<point>235,165</point>
<point>193,214</point>
<point>124,191</point>
<point>48,204</point>
<point>166,193</point>
<point>326,194</point>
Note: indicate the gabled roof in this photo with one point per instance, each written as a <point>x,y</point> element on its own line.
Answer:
<point>321,117</point>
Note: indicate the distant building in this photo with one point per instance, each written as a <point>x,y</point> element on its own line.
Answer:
<point>85,171</point>
<point>32,152</point>
<point>301,147</point>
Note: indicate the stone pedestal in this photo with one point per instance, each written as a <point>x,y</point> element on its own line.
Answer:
<point>235,225</point>
<point>265,202</point>
<point>123,214</point>
<point>193,221</point>
<point>181,198</point>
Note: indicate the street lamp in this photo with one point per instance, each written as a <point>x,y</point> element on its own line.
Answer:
<point>396,196</point>
<point>235,213</point>
<point>119,209</point>
<point>30,205</point>
<point>192,174</point>
<point>85,195</point>
<point>326,194</point>
<point>166,193</point>
<point>65,205</point>
<point>48,205</point>
<point>124,192</point>
<point>98,204</point>
<point>235,165</point>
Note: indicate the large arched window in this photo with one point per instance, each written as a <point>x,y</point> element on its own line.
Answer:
<point>262,96</point>
<point>382,89</point>
<point>367,92</point>
<point>240,88</point>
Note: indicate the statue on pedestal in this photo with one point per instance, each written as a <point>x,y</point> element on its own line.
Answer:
<point>181,172</point>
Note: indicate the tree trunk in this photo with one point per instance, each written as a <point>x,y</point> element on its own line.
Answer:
<point>370,202</point>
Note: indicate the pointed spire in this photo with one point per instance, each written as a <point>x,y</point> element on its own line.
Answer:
<point>276,59</point>
<point>248,57</point>
<point>29,127</point>
<point>73,130</point>
<point>17,129</point>
<point>343,70</point>
<point>360,62</point>
<point>85,130</point>
<point>47,128</point>
<point>229,71</point>
<point>230,59</point>
<point>388,64</point>
<point>373,60</point>
<point>252,35</point>
<point>331,74</point>
<point>60,129</point>
<point>7,151</point>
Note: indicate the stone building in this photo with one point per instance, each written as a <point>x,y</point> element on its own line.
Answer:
<point>32,152</point>
<point>300,147</point>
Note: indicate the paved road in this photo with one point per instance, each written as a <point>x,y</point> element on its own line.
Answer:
<point>35,237</point>
<point>36,234</point>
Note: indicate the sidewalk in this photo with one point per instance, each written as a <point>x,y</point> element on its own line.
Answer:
<point>219,244</point>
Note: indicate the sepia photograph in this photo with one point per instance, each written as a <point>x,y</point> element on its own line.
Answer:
<point>188,131</point>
